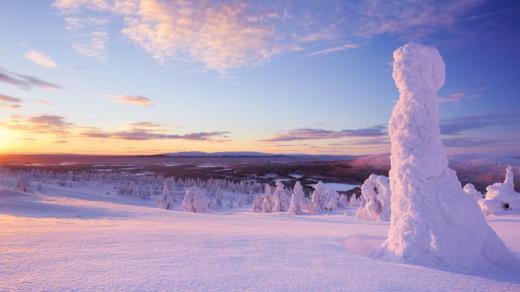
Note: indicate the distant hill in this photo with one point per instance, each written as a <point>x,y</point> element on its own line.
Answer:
<point>251,154</point>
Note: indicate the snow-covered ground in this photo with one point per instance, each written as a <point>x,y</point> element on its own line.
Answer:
<point>337,186</point>
<point>82,240</point>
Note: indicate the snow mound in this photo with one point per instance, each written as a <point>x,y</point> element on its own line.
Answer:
<point>376,195</point>
<point>434,223</point>
<point>501,198</point>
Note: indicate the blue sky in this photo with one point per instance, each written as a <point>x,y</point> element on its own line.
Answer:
<point>148,76</point>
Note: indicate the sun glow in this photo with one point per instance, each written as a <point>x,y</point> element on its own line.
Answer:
<point>8,141</point>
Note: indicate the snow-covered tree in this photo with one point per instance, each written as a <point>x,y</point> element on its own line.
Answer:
<point>472,192</point>
<point>195,200</point>
<point>279,197</point>
<point>165,200</point>
<point>433,223</point>
<point>23,184</point>
<point>331,202</point>
<point>318,197</point>
<point>297,200</point>
<point>376,197</point>
<point>501,198</point>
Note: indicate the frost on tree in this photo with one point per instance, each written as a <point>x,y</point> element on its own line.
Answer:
<point>472,192</point>
<point>23,184</point>
<point>434,223</point>
<point>501,198</point>
<point>376,195</point>
<point>195,200</point>
<point>297,200</point>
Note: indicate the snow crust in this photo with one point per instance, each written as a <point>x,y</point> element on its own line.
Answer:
<point>433,223</point>
<point>375,192</point>
<point>501,198</point>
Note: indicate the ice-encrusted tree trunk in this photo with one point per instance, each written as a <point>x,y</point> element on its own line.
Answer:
<point>434,223</point>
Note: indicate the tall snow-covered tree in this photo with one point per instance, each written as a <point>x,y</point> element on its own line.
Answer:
<point>433,223</point>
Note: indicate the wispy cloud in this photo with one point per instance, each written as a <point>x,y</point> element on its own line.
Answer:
<point>40,124</point>
<point>71,5</point>
<point>143,135</point>
<point>134,100</point>
<point>410,18</point>
<point>40,59</point>
<point>459,125</point>
<point>335,49</point>
<point>461,95</point>
<point>321,134</point>
<point>10,102</point>
<point>25,81</point>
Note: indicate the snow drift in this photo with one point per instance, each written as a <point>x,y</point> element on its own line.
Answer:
<point>501,198</point>
<point>434,223</point>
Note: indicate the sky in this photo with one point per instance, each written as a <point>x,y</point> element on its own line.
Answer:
<point>308,76</point>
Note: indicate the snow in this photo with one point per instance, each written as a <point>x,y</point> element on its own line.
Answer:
<point>472,192</point>
<point>434,223</point>
<point>82,241</point>
<point>501,198</point>
<point>375,192</point>
<point>336,186</point>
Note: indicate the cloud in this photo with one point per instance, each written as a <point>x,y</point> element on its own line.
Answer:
<point>320,134</point>
<point>229,34</point>
<point>460,95</point>
<point>458,125</point>
<point>93,45</point>
<point>44,102</point>
<point>26,81</point>
<point>70,5</point>
<point>9,102</point>
<point>89,34</point>
<point>335,49</point>
<point>143,135</point>
<point>40,124</point>
<point>142,131</point>
<point>217,35</point>
<point>410,18</point>
<point>471,142</point>
<point>40,59</point>
<point>134,100</point>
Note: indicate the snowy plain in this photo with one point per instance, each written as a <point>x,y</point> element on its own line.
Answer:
<point>83,239</point>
